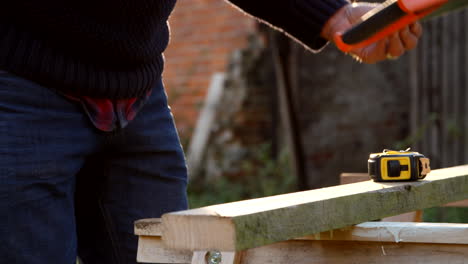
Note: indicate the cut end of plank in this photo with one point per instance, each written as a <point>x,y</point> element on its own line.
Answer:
<point>213,232</point>
<point>148,227</point>
<point>151,249</point>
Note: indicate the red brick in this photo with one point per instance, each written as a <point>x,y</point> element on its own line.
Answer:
<point>203,35</point>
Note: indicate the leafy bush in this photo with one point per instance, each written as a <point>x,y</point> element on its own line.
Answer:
<point>446,215</point>
<point>266,177</point>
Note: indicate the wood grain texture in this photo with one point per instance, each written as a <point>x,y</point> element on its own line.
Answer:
<point>199,257</point>
<point>148,227</point>
<point>399,232</point>
<point>347,178</point>
<point>428,236</point>
<point>345,252</point>
<point>252,223</point>
<point>152,250</point>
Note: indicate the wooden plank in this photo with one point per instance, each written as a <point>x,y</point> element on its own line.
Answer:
<point>399,232</point>
<point>148,227</point>
<point>247,224</point>
<point>200,257</point>
<point>345,252</point>
<point>410,231</point>
<point>442,233</point>
<point>151,249</point>
<point>347,178</point>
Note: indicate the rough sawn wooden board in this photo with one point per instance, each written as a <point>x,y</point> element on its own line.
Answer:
<point>370,242</point>
<point>252,223</point>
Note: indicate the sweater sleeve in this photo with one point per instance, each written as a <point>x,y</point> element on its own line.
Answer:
<point>303,20</point>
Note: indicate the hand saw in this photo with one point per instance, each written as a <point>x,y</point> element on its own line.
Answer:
<point>391,16</point>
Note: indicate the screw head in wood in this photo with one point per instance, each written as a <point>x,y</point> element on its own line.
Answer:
<point>213,257</point>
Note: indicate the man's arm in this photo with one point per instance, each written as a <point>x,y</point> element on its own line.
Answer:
<point>315,22</point>
<point>301,19</point>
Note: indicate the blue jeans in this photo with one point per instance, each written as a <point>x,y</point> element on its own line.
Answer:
<point>67,188</point>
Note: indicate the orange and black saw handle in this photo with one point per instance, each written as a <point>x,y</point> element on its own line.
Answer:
<point>387,18</point>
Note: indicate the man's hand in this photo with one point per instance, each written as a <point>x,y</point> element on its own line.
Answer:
<point>389,48</point>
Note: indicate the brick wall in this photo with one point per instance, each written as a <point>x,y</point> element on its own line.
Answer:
<point>203,35</point>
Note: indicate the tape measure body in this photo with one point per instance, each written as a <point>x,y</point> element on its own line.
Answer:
<point>398,166</point>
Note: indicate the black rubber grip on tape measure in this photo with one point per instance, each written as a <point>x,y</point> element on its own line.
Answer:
<point>374,21</point>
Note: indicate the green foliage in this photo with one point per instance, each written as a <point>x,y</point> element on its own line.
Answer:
<point>419,133</point>
<point>452,128</point>
<point>446,215</point>
<point>263,176</point>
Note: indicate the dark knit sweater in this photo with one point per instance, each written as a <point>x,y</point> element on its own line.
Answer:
<point>113,49</point>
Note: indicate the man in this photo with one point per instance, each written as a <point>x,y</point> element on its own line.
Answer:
<point>87,141</point>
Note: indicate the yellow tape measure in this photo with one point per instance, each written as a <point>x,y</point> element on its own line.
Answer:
<point>403,165</point>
